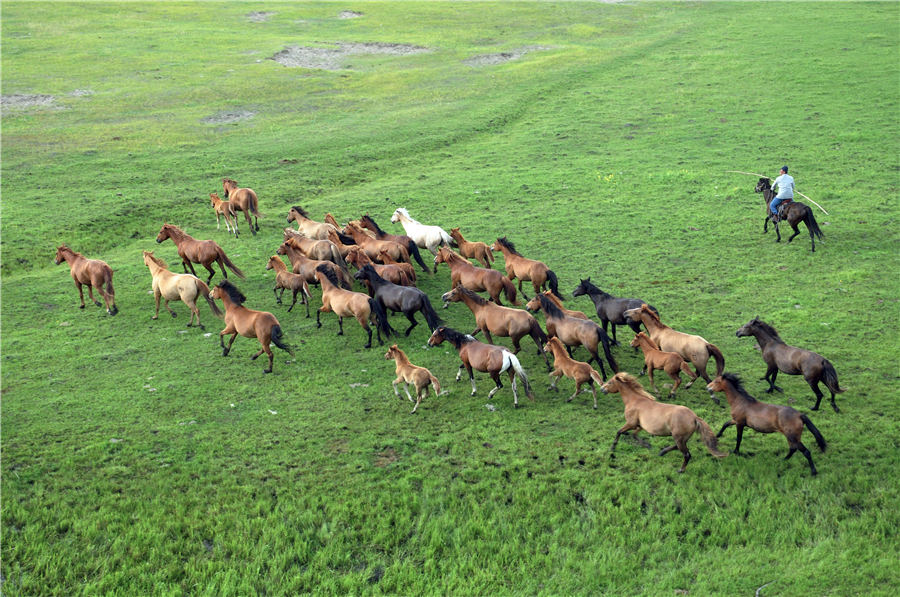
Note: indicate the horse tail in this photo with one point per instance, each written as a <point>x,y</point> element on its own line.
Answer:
<point>812,429</point>
<point>110,291</point>
<point>381,318</point>
<point>204,289</point>
<point>596,376</point>
<point>510,291</point>
<point>716,354</point>
<point>435,384</point>
<point>231,266</point>
<point>709,438</point>
<point>254,204</point>
<point>513,362</point>
<point>343,278</point>
<point>489,255</point>
<point>337,258</point>
<point>603,338</point>
<point>537,333</point>
<point>446,239</point>
<point>277,336</point>
<point>554,284</point>
<point>812,224</point>
<point>413,250</point>
<point>829,376</point>
<point>687,369</point>
<point>431,316</point>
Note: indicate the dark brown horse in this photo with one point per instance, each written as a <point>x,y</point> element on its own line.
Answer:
<point>611,309</point>
<point>204,252</point>
<point>792,360</point>
<point>394,298</point>
<point>793,211</point>
<point>476,278</point>
<point>747,411</point>
<point>523,268</point>
<point>92,273</point>
<point>368,223</point>
<point>244,200</point>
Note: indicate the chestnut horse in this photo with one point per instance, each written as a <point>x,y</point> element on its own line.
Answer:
<point>178,287</point>
<point>526,269</point>
<point>497,320</point>
<point>476,250</point>
<point>670,362</point>
<point>306,267</point>
<point>479,356</point>
<point>323,250</point>
<point>346,303</point>
<point>794,212</point>
<point>248,323</point>
<point>285,280</point>
<point>747,411</point>
<point>90,272</point>
<point>405,267</point>
<point>407,373</point>
<point>244,200</point>
<point>642,411</point>
<point>369,224</point>
<point>563,364</point>
<point>226,210</point>
<point>191,251</point>
<point>611,309</point>
<point>792,360</point>
<point>476,278</point>
<point>568,312</point>
<point>308,226</point>
<point>395,273</point>
<point>371,246</point>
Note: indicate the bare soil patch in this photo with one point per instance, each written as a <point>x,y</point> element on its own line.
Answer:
<point>501,57</point>
<point>331,58</point>
<point>259,16</point>
<point>228,117</point>
<point>350,14</point>
<point>25,100</point>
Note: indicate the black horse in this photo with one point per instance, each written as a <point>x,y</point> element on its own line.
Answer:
<point>611,309</point>
<point>793,211</point>
<point>407,299</point>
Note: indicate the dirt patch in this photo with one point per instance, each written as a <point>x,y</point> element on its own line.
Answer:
<point>386,457</point>
<point>259,16</point>
<point>25,100</point>
<point>228,117</point>
<point>350,14</point>
<point>501,57</point>
<point>81,92</point>
<point>331,58</point>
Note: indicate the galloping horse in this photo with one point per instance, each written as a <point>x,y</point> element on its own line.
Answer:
<point>426,237</point>
<point>497,320</point>
<point>243,199</point>
<point>747,411</point>
<point>476,278</point>
<point>396,273</point>
<point>526,269</point>
<point>792,360</point>
<point>226,210</point>
<point>308,226</point>
<point>609,308</point>
<point>91,272</point>
<point>178,287</point>
<point>323,250</point>
<point>393,297</point>
<point>369,224</point>
<point>794,212</point>
<point>346,303</point>
<point>405,267</point>
<point>248,323</point>
<point>191,251</point>
<point>407,373</point>
<point>642,411</point>
<point>563,364</point>
<point>670,362</point>
<point>479,356</point>
<point>574,332</point>
<point>285,280</point>
<point>692,348</point>
<point>568,312</point>
<point>477,250</point>
<point>372,246</point>
<point>306,267</point>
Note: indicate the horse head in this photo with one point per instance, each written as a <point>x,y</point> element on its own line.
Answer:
<point>163,233</point>
<point>763,184</point>
<point>392,352</point>
<point>747,328</point>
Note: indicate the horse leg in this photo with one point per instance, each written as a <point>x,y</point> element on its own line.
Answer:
<point>626,428</point>
<point>777,233</point>
<point>740,436</point>
<point>171,312</point>
<point>217,221</point>
<point>495,375</point>
<point>294,302</point>
<point>681,442</point>
<point>90,288</point>
<point>368,343</point>
<point>412,322</point>
<point>796,232</point>
<point>771,374</point>
<point>515,390</point>
<point>487,336</point>
<point>677,378</point>
<point>156,295</point>
<point>471,376</point>
<point>805,451</point>
<point>724,427</point>
<point>275,292</point>
<point>814,384</point>
<point>577,391</point>
<point>226,349</point>
<point>341,330</point>
<point>556,374</point>
<point>597,358</point>
<point>541,350</point>
<point>649,376</point>
<point>221,266</point>
<point>194,311</point>
<point>80,293</point>
<point>406,389</point>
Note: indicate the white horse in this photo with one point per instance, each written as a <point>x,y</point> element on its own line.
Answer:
<point>426,237</point>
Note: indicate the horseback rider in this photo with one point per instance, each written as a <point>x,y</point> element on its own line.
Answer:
<point>785,184</point>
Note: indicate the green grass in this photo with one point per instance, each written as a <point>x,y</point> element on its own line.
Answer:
<point>138,460</point>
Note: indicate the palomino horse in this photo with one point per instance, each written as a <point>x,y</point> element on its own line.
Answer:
<point>285,280</point>
<point>794,212</point>
<point>426,237</point>
<point>476,278</point>
<point>526,269</point>
<point>407,373</point>
<point>747,411</point>
<point>476,250</point>
<point>609,308</point>
<point>204,252</point>
<point>323,250</point>
<point>178,287</point>
<point>371,246</point>
<point>692,348</point>
<point>792,360</point>
<point>396,273</point>
<point>658,418</point>
<point>90,272</point>
<point>393,297</point>
<point>574,332</point>
<point>226,210</point>
<point>308,226</point>
<point>248,323</point>
<point>497,320</point>
<point>306,267</point>
<point>479,356</point>
<point>244,200</point>
<point>346,303</point>
<point>670,362</point>
<point>369,224</point>
<point>563,364</point>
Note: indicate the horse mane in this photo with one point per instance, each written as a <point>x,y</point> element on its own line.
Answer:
<point>236,296</point>
<point>650,312</point>
<point>592,288</point>
<point>738,386</point>
<point>765,327</point>
<point>345,240</point>
<point>549,307</point>
<point>405,213</point>
<point>479,300</point>
<point>157,260</point>
<point>510,247</point>
<point>633,384</point>
<point>328,273</point>
<point>301,211</point>
<point>231,180</point>
<point>371,274</point>
<point>455,338</point>
<point>367,218</point>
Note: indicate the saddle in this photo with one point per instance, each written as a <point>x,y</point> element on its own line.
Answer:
<point>781,209</point>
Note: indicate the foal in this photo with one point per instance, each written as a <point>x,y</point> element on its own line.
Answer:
<point>479,251</point>
<point>226,210</point>
<point>285,280</point>
<point>670,362</point>
<point>407,373</point>
<point>565,365</point>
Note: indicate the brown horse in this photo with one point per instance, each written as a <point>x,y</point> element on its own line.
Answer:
<point>407,268</point>
<point>248,323</point>
<point>670,362</point>
<point>563,364</point>
<point>479,251</point>
<point>407,373</point>
<point>567,312</point>
<point>323,250</point>
<point>642,411</point>
<point>792,360</point>
<point>476,278</point>
<point>90,272</point>
<point>574,332</point>
<point>344,243</point>
<point>747,411</point>
<point>479,356</point>
<point>226,210</point>
<point>526,269</point>
<point>308,226</point>
<point>369,224</point>
<point>394,273</point>
<point>306,267</point>
<point>243,199</point>
<point>285,280</point>
<point>372,246</point>
<point>692,348</point>
<point>346,303</point>
<point>497,320</point>
<point>792,211</point>
<point>191,251</point>
<point>178,287</point>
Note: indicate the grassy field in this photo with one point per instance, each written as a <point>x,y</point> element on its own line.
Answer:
<point>137,460</point>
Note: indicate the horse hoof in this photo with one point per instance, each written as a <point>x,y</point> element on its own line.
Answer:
<point>174,314</point>
<point>81,307</point>
<point>155,317</point>
<point>267,370</point>
<point>98,303</point>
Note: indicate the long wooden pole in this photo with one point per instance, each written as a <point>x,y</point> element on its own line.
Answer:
<point>798,192</point>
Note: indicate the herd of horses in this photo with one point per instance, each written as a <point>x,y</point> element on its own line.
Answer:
<point>319,254</point>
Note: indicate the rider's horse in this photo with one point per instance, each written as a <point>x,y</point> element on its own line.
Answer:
<point>792,211</point>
